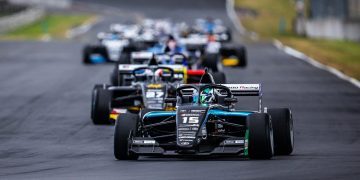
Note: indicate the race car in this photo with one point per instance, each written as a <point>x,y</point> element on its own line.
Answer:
<point>205,27</point>
<point>117,45</point>
<point>190,69</point>
<point>206,122</point>
<point>207,47</point>
<point>143,86</point>
<point>109,49</point>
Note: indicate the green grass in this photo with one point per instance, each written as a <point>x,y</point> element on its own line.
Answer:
<point>343,55</point>
<point>55,25</point>
<point>270,13</point>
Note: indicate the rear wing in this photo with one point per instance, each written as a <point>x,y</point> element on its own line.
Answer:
<point>128,68</point>
<point>240,90</point>
<point>244,89</point>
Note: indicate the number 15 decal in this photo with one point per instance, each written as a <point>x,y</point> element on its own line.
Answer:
<point>190,120</point>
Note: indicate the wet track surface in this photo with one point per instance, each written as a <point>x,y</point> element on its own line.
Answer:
<point>46,132</point>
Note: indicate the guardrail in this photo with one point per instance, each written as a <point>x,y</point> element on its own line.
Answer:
<point>44,3</point>
<point>21,18</point>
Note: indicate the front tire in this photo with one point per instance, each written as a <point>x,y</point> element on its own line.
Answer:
<point>260,136</point>
<point>100,105</point>
<point>283,130</point>
<point>124,127</point>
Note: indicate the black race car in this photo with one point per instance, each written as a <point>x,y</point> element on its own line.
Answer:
<point>205,122</point>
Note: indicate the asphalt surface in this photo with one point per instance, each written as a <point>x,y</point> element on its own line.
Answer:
<point>46,132</point>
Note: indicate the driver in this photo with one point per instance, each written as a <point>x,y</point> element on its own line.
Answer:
<point>172,47</point>
<point>207,96</point>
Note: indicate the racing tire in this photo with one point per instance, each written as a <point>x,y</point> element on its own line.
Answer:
<point>86,54</point>
<point>124,128</point>
<point>115,77</point>
<point>219,77</point>
<point>282,122</point>
<point>241,54</point>
<point>211,61</point>
<point>100,105</point>
<point>260,142</point>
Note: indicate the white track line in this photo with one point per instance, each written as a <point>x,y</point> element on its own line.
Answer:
<point>233,16</point>
<point>82,29</point>
<point>230,9</point>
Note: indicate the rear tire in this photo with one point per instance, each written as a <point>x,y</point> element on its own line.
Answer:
<point>86,55</point>
<point>101,105</point>
<point>241,54</point>
<point>283,130</point>
<point>260,136</point>
<point>124,127</point>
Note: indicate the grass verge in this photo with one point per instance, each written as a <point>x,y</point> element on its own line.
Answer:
<point>54,25</point>
<point>272,15</point>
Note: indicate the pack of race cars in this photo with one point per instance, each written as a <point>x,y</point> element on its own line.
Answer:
<point>168,94</point>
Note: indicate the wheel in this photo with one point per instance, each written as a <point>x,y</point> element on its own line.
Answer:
<point>219,77</point>
<point>86,55</point>
<point>115,77</point>
<point>211,61</point>
<point>282,122</point>
<point>124,127</point>
<point>260,144</point>
<point>241,54</point>
<point>103,51</point>
<point>93,98</point>
<point>100,105</point>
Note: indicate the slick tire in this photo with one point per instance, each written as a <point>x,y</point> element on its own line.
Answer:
<point>241,54</point>
<point>260,144</point>
<point>103,51</point>
<point>219,77</point>
<point>115,77</point>
<point>125,126</point>
<point>282,122</point>
<point>100,105</point>
<point>86,54</point>
<point>211,61</point>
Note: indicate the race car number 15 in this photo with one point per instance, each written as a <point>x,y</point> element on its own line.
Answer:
<point>190,120</point>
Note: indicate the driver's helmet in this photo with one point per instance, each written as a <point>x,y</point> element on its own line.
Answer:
<point>207,96</point>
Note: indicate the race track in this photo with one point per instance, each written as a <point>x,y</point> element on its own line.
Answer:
<point>46,131</point>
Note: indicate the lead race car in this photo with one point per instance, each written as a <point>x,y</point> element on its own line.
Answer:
<point>205,122</point>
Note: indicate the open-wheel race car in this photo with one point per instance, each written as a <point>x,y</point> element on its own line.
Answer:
<point>143,86</point>
<point>206,122</point>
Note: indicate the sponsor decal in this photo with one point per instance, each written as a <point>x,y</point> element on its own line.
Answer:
<point>154,86</point>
